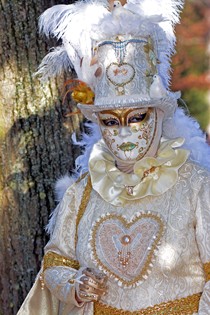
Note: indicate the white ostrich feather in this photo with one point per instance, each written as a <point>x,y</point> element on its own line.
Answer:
<point>170,9</point>
<point>63,183</point>
<point>60,188</point>
<point>72,24</point>
<point>185,126</point>
<point>54,63</point>
<point>87,142</point>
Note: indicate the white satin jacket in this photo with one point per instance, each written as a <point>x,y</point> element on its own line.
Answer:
<point>169,246</point>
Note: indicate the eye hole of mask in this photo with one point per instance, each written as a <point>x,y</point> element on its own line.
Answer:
<point>136,118</point>
<point>110,122</point>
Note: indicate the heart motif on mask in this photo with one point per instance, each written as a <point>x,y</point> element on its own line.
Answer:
<point>120,74</point>
<point>125,250</point>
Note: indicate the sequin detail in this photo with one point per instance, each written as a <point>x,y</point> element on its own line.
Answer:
<point>183,306</point>
<point>126,250</point>
<point>52,259</point>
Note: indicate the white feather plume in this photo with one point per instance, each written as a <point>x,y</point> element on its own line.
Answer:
<point>80,24</point>
<point>170,9</point>
<point>63,183</point>
<point>54,63</point>
<point>87,142</point>
<point>60,188</point>
<point>185,126</point>
<point>72,24</point>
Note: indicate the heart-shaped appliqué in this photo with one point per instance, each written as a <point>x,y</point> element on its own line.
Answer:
<point>120,74</point>
<point>123,249</point>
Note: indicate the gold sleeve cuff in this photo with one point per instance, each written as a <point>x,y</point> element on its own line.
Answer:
<point>206,268</point>
<point>52,259</point>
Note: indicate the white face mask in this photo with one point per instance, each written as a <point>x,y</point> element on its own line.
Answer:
<point>130,134</point>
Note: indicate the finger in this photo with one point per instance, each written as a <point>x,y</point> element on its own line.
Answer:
<point>96,276</point>
<point>91,282</point>
<point>88,296</point>
<point>89,289</point>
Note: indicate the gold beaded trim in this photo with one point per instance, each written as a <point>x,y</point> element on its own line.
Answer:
<point>83,205</point>
<point>184,306</point>
<point>81,178</point>
<point>52,259</point>
<point>206,268</point>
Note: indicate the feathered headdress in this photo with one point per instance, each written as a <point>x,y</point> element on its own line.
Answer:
<point>122,53</point>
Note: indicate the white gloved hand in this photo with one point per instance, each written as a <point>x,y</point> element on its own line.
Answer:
<point>90,285</point>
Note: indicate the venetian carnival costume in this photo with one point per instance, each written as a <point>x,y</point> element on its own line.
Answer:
<point>141,214</point>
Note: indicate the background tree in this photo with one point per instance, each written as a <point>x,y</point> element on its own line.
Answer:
<point>35,146</point>
<point>191,64</point>
<point>35,136</point>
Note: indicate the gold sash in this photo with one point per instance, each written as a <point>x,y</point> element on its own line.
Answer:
<point>183,306</point>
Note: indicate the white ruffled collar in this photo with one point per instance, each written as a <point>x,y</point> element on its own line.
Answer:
<point>152,175</point>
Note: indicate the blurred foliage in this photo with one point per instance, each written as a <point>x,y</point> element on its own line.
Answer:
<point>197,103</point>
<point>191,64</point>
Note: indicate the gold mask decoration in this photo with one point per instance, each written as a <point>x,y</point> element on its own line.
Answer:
<point>129,133</point>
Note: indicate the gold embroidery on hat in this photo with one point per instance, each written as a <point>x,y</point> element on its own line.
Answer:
<point>152,60</point>
<point>120,74</point>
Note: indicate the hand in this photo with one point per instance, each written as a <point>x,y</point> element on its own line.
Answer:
<point>92,286</point>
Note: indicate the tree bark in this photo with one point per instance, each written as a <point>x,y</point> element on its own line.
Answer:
<point>35,146</point>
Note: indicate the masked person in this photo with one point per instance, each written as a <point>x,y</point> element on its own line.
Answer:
<point>131,236</point>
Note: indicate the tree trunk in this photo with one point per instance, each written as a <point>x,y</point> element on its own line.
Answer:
<point>35,146</point>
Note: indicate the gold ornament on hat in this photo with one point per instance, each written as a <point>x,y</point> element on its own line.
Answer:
<point>80,92</point>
